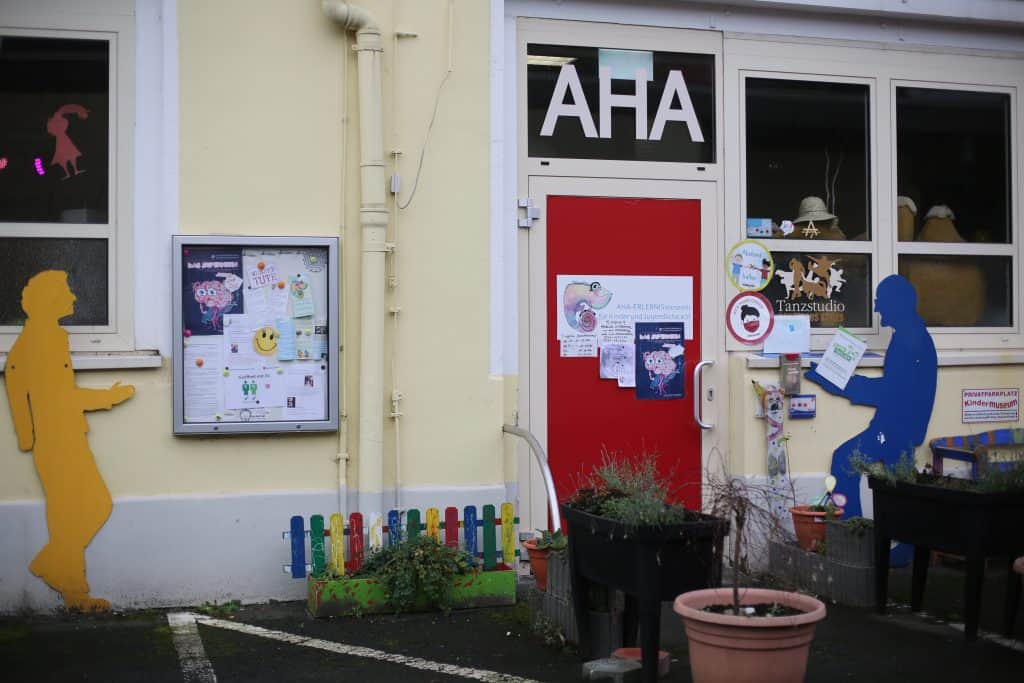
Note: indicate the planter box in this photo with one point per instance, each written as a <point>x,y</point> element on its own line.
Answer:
<point>649,564</point>
<point>846,584</point>
<point>961,522</point>
<point>849,546</point>
<point>338,597</point>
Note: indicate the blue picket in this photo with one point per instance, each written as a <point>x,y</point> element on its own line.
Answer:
<point>469,528</point>
<point>298,538</point>
<point>394,528</point>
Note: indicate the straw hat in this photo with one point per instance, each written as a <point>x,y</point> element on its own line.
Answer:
<point>812,209</point>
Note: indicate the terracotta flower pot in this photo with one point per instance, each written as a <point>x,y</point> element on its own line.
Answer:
<point>538,563</point>
<point>730,649</point>
<point>810,526</point>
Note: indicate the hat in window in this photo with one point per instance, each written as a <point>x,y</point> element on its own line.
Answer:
<point>812,209</point>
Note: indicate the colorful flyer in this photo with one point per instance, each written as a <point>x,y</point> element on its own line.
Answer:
<point>300,292</point>
<point>212,287</point>
<point>659,361</point>
<point>749,317</point>
<point>306,346</point>
<point>749,266</point>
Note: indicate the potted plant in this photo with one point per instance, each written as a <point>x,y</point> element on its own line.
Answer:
<point>809,522</point>
<point>975,518</point>
<point>747,634</point>
<point>625,534</point>
<point>539,549</point>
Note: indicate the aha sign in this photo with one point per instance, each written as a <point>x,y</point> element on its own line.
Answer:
<point>590,103</point>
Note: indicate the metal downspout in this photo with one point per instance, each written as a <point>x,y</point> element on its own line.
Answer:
<point>373,217</point>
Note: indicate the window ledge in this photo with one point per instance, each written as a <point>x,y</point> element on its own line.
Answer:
<point>108,361</point>
<point>872,359</point>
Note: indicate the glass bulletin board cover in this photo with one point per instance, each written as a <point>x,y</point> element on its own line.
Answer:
<point>255,334</point>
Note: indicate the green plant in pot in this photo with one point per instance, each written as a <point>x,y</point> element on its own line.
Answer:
<point>539,549</point>
<point>739,634</point>
<point>809,520</point>
<point>626,533</point>
<point>976,518</point>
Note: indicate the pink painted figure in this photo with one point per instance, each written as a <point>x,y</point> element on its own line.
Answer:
<point>214,301</point>
<point>661,367</point>
<point>65,152</point>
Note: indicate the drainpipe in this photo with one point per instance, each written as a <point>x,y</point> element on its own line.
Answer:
<point>373,217</point>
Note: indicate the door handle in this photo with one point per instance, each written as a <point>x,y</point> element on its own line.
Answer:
<point>697,395</point>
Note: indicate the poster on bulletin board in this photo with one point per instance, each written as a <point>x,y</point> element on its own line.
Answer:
<point>255,334</point>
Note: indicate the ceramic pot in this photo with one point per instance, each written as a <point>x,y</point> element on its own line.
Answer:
<point>538,563</point>
<point>740,649</point>
<point>810,526</point>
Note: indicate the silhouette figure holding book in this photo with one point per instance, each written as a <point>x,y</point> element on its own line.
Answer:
<point>903,396</point>
<point>49,418</point>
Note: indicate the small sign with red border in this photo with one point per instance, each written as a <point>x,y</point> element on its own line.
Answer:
<point>750,317</point>
<point>990,405</point>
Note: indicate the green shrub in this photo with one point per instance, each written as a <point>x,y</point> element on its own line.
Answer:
<point>629,491</point>
<point>417,567</point>
<point>552,540</point>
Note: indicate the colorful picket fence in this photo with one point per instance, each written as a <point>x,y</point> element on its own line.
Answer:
<point>496,541</point>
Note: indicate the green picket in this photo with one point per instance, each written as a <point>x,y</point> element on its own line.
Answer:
<point>490,540</point>
<point>316,543</point>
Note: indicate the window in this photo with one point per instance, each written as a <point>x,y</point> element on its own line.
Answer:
<point>953,166</point>
<point>65,133</point>
<point>855,164</point>
<point>808,180</point>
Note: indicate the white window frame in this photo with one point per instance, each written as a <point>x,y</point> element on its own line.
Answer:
<point>116,25</point>
<point>886,68</point>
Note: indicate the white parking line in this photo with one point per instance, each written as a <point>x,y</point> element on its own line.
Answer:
<point>356,651</point>
<point>194,664</point>
<point>992,637</point>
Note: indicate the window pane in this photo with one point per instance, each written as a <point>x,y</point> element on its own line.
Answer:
<point>953,159</point>
<point>54,116</point>
<point>961,291</point>
<point>807,158</point>
<point>84,260</point>
<point>833,289</point>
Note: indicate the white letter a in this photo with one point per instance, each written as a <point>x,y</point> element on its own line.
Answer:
<point>675,85</point>
<point>569,80</point>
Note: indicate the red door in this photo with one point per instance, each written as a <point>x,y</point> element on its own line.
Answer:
<point>585,414</point>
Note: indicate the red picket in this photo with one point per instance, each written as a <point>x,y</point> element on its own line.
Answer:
<point>355,541</point>
<point>451,527</point>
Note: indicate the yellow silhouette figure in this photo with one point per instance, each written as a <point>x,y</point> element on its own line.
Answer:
<point>48,411</point>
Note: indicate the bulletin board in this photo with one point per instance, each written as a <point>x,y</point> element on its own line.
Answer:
<point>255,334</point>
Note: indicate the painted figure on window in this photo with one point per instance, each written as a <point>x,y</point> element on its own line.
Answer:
<point>903,396</point>
<point>65,153</point>
<point>48,409</point>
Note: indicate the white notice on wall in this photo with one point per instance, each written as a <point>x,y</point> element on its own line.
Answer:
<point>203,395</point>
<point>305,386</point>
<point>840,359</point>
<point>579,346</point>
<point>254,389</point>
<point>991,405</point>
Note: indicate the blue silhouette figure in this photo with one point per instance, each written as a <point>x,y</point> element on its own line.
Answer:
<point>903,397</point>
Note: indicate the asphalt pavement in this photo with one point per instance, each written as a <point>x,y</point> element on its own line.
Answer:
<point>280,642</point>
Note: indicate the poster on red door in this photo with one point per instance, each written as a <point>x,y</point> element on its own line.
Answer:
<point>659,361</point>
<point>596,310</point>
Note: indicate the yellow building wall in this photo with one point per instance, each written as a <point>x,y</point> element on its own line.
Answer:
<point>269,145</point>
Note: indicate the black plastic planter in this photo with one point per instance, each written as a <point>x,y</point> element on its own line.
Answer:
<point>975,525</point>
<point>649,564</point>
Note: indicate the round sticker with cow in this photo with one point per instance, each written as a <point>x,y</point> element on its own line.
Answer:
<point>749,266</point>
<point>750,317</point>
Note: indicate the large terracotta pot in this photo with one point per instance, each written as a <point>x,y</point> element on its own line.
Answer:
<point>538,563</point>
<point>810,526</point>
<point>731,649</point>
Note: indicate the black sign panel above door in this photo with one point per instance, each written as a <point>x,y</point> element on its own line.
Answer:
<point>632,105</point>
